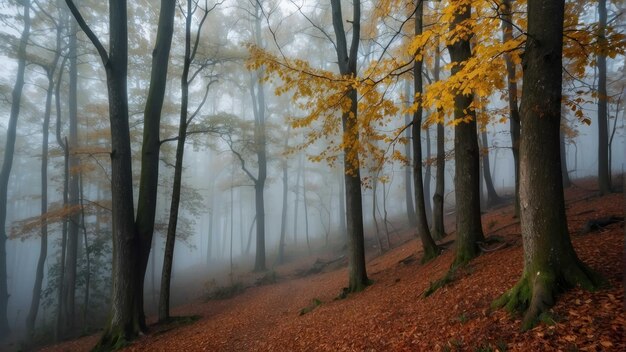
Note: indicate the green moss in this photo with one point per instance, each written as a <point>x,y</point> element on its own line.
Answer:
<point>315,302</point>
<point>446,279</point>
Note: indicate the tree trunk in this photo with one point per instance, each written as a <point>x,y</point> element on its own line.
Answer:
<point>59,321</point>
<point>438,230</point>
<point>604,170</point>
<point>150,147</point>
<point>347,61</point>
<point>168,257</point>
<point>492,196</point>
<point>429,246</point>
<point>408,177</point>
<point>514,119</point>
<point>43,252</point>
<point>468,223</point>
<point>7,164</point>
<point>550,262</point>
<point>306,212</point>
<point>69,283</point>
<point>342,206</point>
<point>123,323</point>
<point>297,202</point>
<point>259,138</point>
<point>427,179</point>
<point>564,171</point>
<point>283,216</point>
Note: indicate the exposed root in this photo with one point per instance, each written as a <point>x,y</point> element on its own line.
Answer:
<point>536,293</point>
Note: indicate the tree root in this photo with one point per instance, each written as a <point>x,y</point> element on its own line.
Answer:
<point>536,293</point>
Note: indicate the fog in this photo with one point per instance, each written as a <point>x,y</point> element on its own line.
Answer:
<point>216,232</point>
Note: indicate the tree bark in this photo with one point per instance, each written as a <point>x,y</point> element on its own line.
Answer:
<point>492,195</point>
<point>5,172</point>
<point>150,148</point>
<point>429,246</point>
<point>260,144</point>
<point>438,229</point>
<point>550,262</point>
<point>408,177</point>
<point>427,179</point>
<point>43,252</point>
<point>283,217</point>
<point>514,119</point>
<point>604,170</point>
<point>469,227</point>
<point>123,324</point>
<point>69,283</point>
<point>347,61</point>
<point>564,171</point>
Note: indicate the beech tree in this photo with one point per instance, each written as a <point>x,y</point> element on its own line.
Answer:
<point>550,262</point>
<point>148,183</point>
<point>468,223</point>
<point>429,246</point>
<point>347,61</point>
<point>124,324</point>
<point>7,164</point>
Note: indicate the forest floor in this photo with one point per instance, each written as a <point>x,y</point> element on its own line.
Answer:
<point>392,315</point>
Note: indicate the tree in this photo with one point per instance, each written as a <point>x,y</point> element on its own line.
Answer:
<point>43,253</point>
<point>550,263</point>
<point>67,313</point>
<point>347,62</point>
<point>492,196</point>
<point>467,177</point>
<point>7,164</point>
<point>408,178</point>
<point>191,49</point>
<point>148,183</point>
<point>429,246</point>
<point>258,106</point>
<point>604,169</point>
<point>438,230</point>
<point>511,78</point>
<point>123,324</point>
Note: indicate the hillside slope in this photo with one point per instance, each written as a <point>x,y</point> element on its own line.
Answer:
<point>392,315</point>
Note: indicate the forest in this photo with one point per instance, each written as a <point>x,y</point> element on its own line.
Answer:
<point>290,175</point>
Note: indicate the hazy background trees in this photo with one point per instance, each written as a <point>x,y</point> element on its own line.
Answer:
<point>262,172</point>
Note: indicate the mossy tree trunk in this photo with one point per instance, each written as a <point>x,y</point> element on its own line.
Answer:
<point>123,324</point>
<point>550,263</point>
<point>467,175</point>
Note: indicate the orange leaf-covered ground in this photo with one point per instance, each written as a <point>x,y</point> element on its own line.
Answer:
<point>391,315</point>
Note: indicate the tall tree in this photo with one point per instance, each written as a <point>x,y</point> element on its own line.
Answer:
<point>550,263</point>
<point>5,172</point>
<point>429,246</point>
<point>258,104</point>
<point>347,62</point>
<point>123,324</point>
<point>514,120</point>
<point>604,169</point>
<point>67,314</point>
<point>438,230</point>
<point>408,177</point>
<point>191,49</point>
<point>43,252</point>
<point>466,153</point>
<point>148,183</point>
